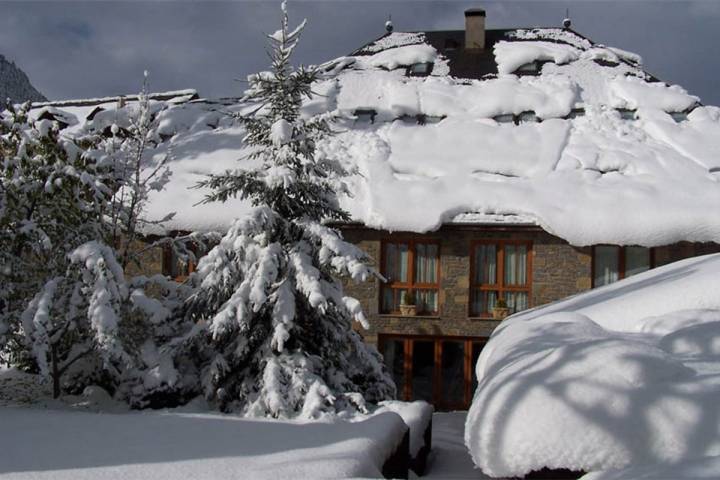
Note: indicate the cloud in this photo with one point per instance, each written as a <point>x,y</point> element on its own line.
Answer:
<point>86,49</point>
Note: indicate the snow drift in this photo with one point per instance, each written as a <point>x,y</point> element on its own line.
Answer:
<point>627,374</point>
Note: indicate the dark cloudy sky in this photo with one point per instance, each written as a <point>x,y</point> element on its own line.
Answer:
<point>86,49</point>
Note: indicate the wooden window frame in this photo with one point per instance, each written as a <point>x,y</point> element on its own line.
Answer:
<point>404,392</point>
<point>169,263</point>
<point>410,285</point>
<point>500,261</point>
<point>621,260</point>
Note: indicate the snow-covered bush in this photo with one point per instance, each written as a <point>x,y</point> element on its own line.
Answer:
<point>272,321</point>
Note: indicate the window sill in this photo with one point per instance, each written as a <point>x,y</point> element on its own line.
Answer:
<point>484,319</point>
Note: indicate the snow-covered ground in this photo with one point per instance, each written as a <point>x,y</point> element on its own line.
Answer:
<point>95,437</point>
<point>61,444</point>
<point>627,375</point>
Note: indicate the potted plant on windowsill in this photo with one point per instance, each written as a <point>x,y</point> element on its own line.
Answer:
<point>500,310</point>
<point>408,307</point>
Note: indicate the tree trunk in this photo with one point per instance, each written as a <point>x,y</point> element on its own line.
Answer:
<point>55,372</point>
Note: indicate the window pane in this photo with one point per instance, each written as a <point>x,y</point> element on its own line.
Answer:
<point>483,302</point>
<point>427,301</point>
<point>402,262</point>
<point>426,263</point>
<point>485,264</point>
<point>516,301</point>
<point>396,262</point>
<point>394,354</point>
<point>637,260</point>
<point>515,264</point>
<point>423,364</point>
<point>391,259</point>
<point>606,264</point>
<point>453,372</point>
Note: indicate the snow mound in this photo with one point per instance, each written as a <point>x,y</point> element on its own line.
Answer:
<point>512,55</point>
<point>402,56</point>
<point>627,374</point>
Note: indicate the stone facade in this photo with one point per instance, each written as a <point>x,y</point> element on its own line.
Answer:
<point>558,271</point>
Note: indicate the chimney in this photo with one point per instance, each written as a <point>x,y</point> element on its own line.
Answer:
<point>475,29</point>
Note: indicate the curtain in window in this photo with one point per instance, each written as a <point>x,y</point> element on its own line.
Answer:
<point>606,264</point>
<point>427,301</point>
<point>396,262</point>
<point>485,264</point>
<point>483,302</point>
<point>426,263</point>
<point>516,301</point>
<point>515,264</point>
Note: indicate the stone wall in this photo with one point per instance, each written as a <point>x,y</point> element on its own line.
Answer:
<point>558,270</point>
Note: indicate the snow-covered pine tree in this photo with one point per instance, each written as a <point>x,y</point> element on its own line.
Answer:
<point>269,306</point>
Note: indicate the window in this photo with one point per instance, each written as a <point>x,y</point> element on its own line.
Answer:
<point>411,266</point>
<point>420,69</point>
<point>528,68</point>
<point>364,115</point>
<point>679,116</point>
<point>576,113</point>
<point>437,369</point>
<point>626,114</point>
<point>505,118</point>
<point>612,263</point>
<point>525,117</point>
<point>174,267</point>
<point>500,269</point>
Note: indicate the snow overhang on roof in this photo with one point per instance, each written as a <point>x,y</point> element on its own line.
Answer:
<point>568,135</point>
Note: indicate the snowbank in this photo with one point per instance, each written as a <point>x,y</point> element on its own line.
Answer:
<point>627,374</point>
<point>58,445</point>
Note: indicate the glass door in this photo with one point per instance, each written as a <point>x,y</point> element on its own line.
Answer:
<point>439,370</point>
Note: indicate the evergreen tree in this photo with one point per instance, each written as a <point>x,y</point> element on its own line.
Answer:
<point>271,317</point>
<point>67,205</point>
<point>55,190</point>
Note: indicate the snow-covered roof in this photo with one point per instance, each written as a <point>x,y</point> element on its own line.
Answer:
<point>580,141</point>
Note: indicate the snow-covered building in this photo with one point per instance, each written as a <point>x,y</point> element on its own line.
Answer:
<point>517,164</point>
